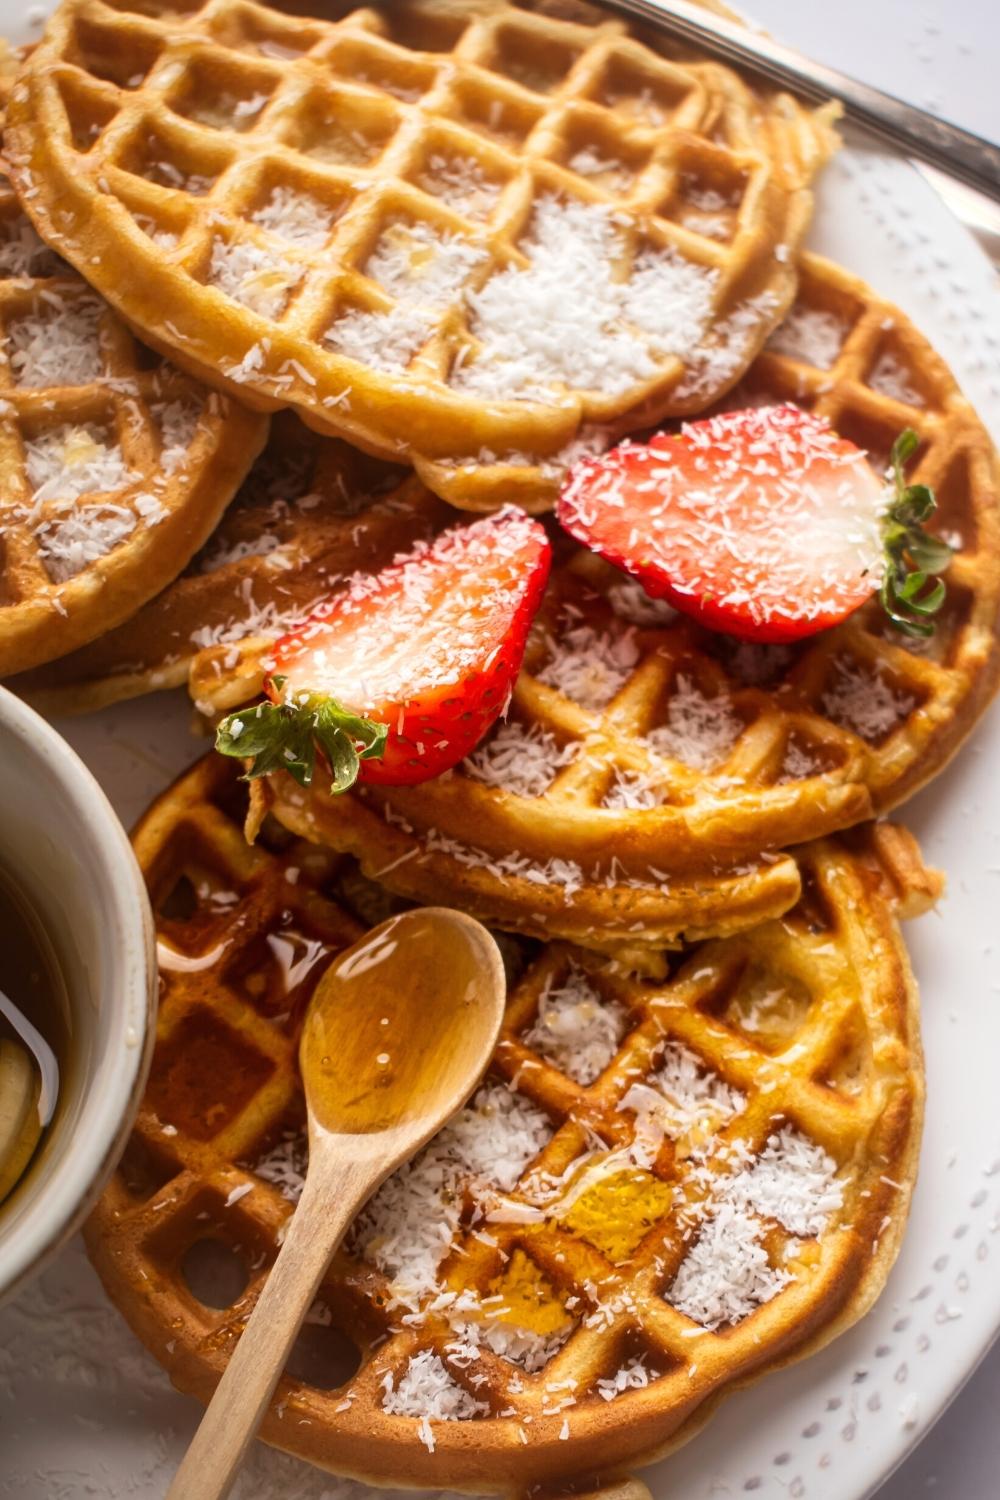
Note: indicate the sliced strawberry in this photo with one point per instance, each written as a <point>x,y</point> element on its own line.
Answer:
<point>397,678</point>
<point>760,523</point>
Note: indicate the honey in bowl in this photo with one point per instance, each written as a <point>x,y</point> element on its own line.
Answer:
<point>34,1035</point>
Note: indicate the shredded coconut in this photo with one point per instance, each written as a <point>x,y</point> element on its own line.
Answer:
<point>863,700</point>
<point>520,759</point>
<point>71,460</point>
<point>24,253</point>
<point>699,731</point>
<point>524,1347</point>
<point>810,334</point>
<point>407,1227</point>
<point>726,1274</point>
<point>590,666</point>
<point>428,1390</point>
<point>632,1376</point>
<point>635,790</point>
<point>461,182</point>
<point>89,533</point>
<point>589,162</point>
<point>630,602</point>
<point>891,378</point>
<point>178,423</point>
<point>57,344</point>
<point>726,349</point>
<point>792,1181</point>
<point>258,279</point>
<point>696,1093</point>
<point>385,341</point>
<point>296,217</point>
<point>681,1097</point>
<point>797,763</point>
<point>576,1029</point>
<point>285,1165</point>
<point>416,266</point>
<point>569,320</point>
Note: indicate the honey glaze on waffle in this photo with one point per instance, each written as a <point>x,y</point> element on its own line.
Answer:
<point>429,228</point>
<point>311,513</point>
<point>661,1189</point>
<point>115,465</point>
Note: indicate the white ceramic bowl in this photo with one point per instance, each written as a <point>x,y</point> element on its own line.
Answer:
<point>62,844</point>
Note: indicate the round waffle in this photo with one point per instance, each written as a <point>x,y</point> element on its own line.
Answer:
<point>662,1191</point>
<point>367,219</point>
<point>114,465</point>
<point>678,750</point>
<point>310,513</point>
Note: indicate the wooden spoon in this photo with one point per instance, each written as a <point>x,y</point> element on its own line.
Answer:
<point>398,1033</point>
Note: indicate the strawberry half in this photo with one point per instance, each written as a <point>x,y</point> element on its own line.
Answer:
<point>397,678</point>
<point>761,523</point>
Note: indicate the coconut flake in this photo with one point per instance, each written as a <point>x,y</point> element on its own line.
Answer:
<point>863,700</point>
<point>570,320</point>
<point>793,1180</point>
<point>298,218</point>
<point>428,1390</point>
<point>590,666</point>
<point>700,731</point>
<point>576,1029</point>
<point>518,758</point>
<point>74,460</point>
<point>810,334</point>
<point>57,344</point>
<point>257,278</point>
<point>726,1274</point>
<point>407,1227</point>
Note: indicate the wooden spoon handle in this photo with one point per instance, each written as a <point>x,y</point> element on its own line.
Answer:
<point>334,1191</point>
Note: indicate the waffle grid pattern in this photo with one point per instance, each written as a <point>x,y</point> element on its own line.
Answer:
<point>311,512</point>
<point>842,1066</point>
<point>844,726</point>
<point>75,561</point>
<point>182,138</point>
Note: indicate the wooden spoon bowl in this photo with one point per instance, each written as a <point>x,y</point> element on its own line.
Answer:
<point>398,1033</point>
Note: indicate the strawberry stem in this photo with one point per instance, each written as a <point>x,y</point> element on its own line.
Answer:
<point>910,592</point>
<point>286,737</point>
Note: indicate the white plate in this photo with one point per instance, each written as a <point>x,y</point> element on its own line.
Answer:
<point>84,1411</point>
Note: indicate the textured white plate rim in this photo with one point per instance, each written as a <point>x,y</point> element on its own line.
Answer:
<point>797,1433</point>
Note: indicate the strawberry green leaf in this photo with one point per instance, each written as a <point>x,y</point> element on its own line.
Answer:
<point>911,593</point>
<point>286,736</point>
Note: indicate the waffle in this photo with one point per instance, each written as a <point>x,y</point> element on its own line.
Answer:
<point>335,216</point>
<point>310,513</point>
<point>550,1291</point>
<point>637,732</point>
<point>115,465</point>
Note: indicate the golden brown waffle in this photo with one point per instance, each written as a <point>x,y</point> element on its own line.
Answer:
<point>311,512</point>
<point>114,465</point>
<point>335,216</point>
<point>641,736</point>
<point>599,905</point>
<point>661,1192</point>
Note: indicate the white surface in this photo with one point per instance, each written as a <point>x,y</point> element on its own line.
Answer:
<point>84,1412</point>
